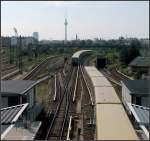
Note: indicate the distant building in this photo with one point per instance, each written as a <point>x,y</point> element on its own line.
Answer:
<point>36,35</point>
<point>140,65</point>
<point>14,92</point>
<point>14,41</point>
<point>135,92</point>
<point>25,40</point>
<point>144,41</point>
<point>5,41</point>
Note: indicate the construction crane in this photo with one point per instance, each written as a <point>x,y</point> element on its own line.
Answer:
<point>16,33</point>
<point>12,52</point>
<point>19,50</point>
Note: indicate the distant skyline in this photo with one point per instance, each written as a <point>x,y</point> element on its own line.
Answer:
<point>87,19</point>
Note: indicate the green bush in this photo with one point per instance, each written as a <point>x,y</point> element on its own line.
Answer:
<point>111,66</point>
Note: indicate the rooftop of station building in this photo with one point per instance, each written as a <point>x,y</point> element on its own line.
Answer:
<point>16,86</point>
<point>9,116</point>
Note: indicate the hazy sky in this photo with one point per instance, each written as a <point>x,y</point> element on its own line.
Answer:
<point>106,19</point>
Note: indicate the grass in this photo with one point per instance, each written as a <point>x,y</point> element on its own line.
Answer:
<point>29,65</point>
<point>44,94</point>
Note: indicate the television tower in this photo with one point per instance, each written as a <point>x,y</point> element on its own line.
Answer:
<point>66,23</point>
<point>76,37</point>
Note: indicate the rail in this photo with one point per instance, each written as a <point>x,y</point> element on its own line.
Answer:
<point>92,102</point>
<point>55,93</point>
<point>39,66</point>
<point>69,95</point>
<point>76,83</point>
<point>69,128</point>
<point>58,107</point>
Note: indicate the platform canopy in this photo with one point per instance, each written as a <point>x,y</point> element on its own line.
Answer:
<point>9,116</point>
<point>141,115</point>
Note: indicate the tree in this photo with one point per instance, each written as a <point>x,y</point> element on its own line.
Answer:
<point>124,56</point>
<point>121,40</point>
<point>127,55</point>
<point>132,53</point>
<point>35,51</point>
<point>30,53</point>
<point>135,43</point>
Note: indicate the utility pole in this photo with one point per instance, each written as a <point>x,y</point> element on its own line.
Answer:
<point>16,48</point>
<point>20,55</point>
<point>65,41</point>
<point>10,51</point>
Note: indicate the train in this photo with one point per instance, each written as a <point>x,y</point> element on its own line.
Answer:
<point>112,122</point>
<point>76,58</point>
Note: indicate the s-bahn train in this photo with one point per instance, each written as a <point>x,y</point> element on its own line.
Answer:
<point>76,58</point>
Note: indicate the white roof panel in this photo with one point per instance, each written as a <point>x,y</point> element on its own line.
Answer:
<point>94,73</point>
<point>113,123</point>
<point>90,68</point>
<point>100,81</point>
<point>106,95</point>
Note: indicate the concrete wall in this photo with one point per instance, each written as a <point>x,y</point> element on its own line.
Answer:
<point>30,97</point>
<point>126,97</point>
<point>145,101</point>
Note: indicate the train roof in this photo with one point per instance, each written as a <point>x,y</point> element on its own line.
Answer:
<point>113,123</point>
<point>100,82</point>
<point>78,53</point>
<point>106,95</point>
<point>97,77</point>
<point>90,68</point>
<point>94,73</point>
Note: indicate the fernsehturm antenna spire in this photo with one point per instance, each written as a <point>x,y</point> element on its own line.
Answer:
<point>66,23</point>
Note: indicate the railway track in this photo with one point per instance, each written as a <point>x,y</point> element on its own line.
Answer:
<point>37,70</point>
<point>119,75</point>
<point>66,107</point>
<point>81,120</point>
<point>60,114</point>
<point>87,109</point>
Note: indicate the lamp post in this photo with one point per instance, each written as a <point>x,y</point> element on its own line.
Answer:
<point>20,55</point>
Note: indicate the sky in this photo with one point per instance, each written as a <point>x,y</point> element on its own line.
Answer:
<point>87,19</point>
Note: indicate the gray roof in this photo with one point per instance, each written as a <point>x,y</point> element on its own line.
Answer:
<point>142,113</point>
<point>137,86</point>
<point>16,86</point>
<point>140,62</point>
<point>10,115</point>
